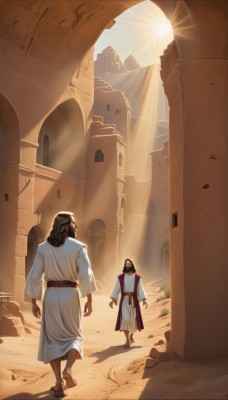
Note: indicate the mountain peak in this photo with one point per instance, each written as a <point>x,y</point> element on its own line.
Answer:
<point>108,61</point>
<point>131,63</point>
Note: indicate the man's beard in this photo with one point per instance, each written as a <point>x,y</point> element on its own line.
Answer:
<point>72,233</point>
<point>129,269</point>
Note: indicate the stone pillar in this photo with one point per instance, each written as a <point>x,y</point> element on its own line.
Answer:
<point>25,214</point>
<point>197,94</point>
<point>8,211</point>
<point>17,214</point>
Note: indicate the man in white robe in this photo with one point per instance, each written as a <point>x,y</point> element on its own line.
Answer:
<point>61,264</point>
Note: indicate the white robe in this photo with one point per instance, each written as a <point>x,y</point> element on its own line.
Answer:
<point>128,320</point>
<point>61,312</point>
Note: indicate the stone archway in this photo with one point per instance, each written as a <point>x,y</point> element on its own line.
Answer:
<point>193,69</point>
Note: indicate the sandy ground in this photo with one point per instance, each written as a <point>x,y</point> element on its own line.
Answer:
<point>108,371</point>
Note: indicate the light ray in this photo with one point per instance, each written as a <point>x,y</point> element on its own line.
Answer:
<point>145,35</point>
<point>145,21</point>
<point>182,25</point>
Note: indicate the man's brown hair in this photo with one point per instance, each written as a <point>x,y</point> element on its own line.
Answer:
<point>60,228</point>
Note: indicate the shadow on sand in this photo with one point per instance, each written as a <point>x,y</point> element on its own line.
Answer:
<point>111,351</point>
<point>45,395</point>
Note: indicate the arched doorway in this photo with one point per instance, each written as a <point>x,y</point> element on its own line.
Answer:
<point>62,139</point>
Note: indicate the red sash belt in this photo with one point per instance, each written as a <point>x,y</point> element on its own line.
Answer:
<point>130,294</point>
<point>62,284</point>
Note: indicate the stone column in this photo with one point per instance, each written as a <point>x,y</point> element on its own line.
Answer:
<point>197,94</point>
<point>26,217</point>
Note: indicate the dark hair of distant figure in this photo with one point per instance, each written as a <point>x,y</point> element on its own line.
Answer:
<point>132,265</point>
<point>60,228</point>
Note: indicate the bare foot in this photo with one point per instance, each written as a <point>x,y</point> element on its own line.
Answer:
<point>55,387</point>
<point>132,340</point>
<point>70,381</point>
<point>58,390</point>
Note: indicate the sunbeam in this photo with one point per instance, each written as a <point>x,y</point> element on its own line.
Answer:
<point>143,32</point>
<point>152,33</point>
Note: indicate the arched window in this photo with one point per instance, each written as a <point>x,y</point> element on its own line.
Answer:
<point>120,160</point>
<point>46,151</point>
<point>99,156</point>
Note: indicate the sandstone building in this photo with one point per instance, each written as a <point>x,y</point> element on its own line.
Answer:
<point>143,231</point>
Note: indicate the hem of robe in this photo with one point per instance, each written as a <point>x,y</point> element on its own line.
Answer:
<point>58,354</point>
<point>126,326</point>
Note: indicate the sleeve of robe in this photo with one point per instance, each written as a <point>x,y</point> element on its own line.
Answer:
<point>87,282</point>
<point>141,291</point>
<point>116,290</point>
<point>34,282</point>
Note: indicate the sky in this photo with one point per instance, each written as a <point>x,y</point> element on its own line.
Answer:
<point>142,31</point>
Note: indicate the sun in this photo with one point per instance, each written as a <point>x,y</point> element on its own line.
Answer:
<point>162,29</point>
<point>143,31</point>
